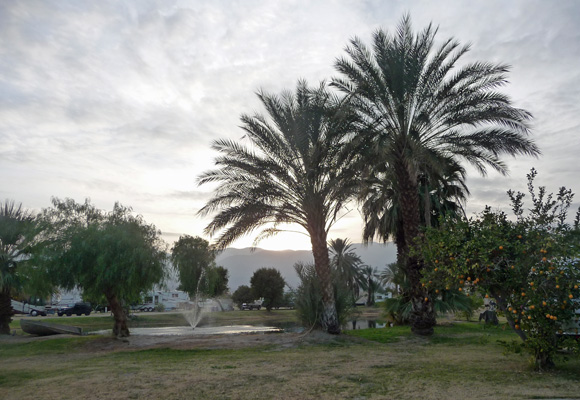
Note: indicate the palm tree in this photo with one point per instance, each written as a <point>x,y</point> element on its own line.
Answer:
<point>425,110</point>
<point>14,226</point>
<point>346,263</point>
<point>370,283</point>
<point>296,172</point>
<point>440,194</point>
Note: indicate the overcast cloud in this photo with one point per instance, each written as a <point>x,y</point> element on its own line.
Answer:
<point>120,100</point>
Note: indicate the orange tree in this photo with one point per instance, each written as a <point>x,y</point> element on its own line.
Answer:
<point>530,267</point>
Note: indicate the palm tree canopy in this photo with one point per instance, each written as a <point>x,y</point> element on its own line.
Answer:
<point>295,172</point>
<point>346,264</point>
<point>425,108</point>
<point>15,224</point>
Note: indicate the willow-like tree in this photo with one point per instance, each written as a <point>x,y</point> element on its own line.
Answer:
<point>424,109</point>
<point>294,172</point>
<point>194,261</point>
<point>115,254</point>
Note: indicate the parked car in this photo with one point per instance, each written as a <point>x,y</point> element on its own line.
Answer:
<point>78,309</point>
<point>256,305</point>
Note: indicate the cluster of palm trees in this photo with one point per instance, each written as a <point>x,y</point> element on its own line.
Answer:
<point>351,270</point>
<point>390,132</point>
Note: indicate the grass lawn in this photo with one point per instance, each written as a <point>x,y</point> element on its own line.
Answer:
<point>461,361</point>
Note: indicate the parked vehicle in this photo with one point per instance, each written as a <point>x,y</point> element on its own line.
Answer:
<point>78,309</point>
<point>25,308</point>
<point>146,307</point>
<point>256,305</point>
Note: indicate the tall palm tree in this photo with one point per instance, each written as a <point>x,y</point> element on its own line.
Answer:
<point>296,172</point>
<point>347,264</point>
<point>425,109</point>
<point>14,226</point>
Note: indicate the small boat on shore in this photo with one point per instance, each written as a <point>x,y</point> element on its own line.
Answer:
<point>44,328</point>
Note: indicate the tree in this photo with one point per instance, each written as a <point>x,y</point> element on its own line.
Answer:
<point>115,254</point>
<point>346,263</point>
<point>219,281</point>
<point>296,172</point>
<point>269,284</point>
<point>530,266</point>
<point>194,260</point>
<point>15,233</point>
<point>370,283</point>
<point>422,112</point>
<point>243,294</point>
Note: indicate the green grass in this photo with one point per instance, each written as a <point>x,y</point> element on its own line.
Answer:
<point>461,360</point>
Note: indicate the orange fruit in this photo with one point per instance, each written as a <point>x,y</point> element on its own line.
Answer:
<point>436,269</point>
<point>575,286</point>
<point>523,294</point>
<point>544,259</point>
<point>531,283</point>
<point>529,317</point>
<point>426,299</point>
<point>501,247</point>
<point>460,289</point>
<point>544,303</point>
<point>570,296</point>
<point>557,286</point>
<point>532,307</point>
<point>487,296</point>
<point>517,327</point>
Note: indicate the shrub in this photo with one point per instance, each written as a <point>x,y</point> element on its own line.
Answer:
<point>308,300</point>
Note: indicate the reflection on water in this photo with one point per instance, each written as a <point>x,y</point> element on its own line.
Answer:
<point>363,324</point>
<point>188,331</point>
<point>237,329</point>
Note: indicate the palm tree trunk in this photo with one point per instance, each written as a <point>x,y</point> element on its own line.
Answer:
<point>422,314</point>
<point>329,319</point>
<point>5,312</point>
<point>120,329</point>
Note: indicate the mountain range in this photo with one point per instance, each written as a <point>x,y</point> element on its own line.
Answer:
<point>241,263</point>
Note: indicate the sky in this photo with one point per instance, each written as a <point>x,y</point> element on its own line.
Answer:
<point>119,101</point>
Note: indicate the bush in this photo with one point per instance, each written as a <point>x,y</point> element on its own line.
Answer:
<point>308,300</point>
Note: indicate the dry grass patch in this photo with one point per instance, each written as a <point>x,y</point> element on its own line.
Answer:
<point>281,366</point>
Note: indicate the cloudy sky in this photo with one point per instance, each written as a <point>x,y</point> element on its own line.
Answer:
<point>120,100</point>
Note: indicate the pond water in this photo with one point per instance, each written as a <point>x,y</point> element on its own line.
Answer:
<point>188,331</point>
<point>237,329</point>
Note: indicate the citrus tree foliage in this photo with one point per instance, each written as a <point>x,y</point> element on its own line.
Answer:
<point>243,294</point>
<point>115,254</point>
<point>530,266</point>
<point>194,260</point>
<point>269,284</point>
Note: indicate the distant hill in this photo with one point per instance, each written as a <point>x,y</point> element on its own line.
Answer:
<point>241,263</point>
